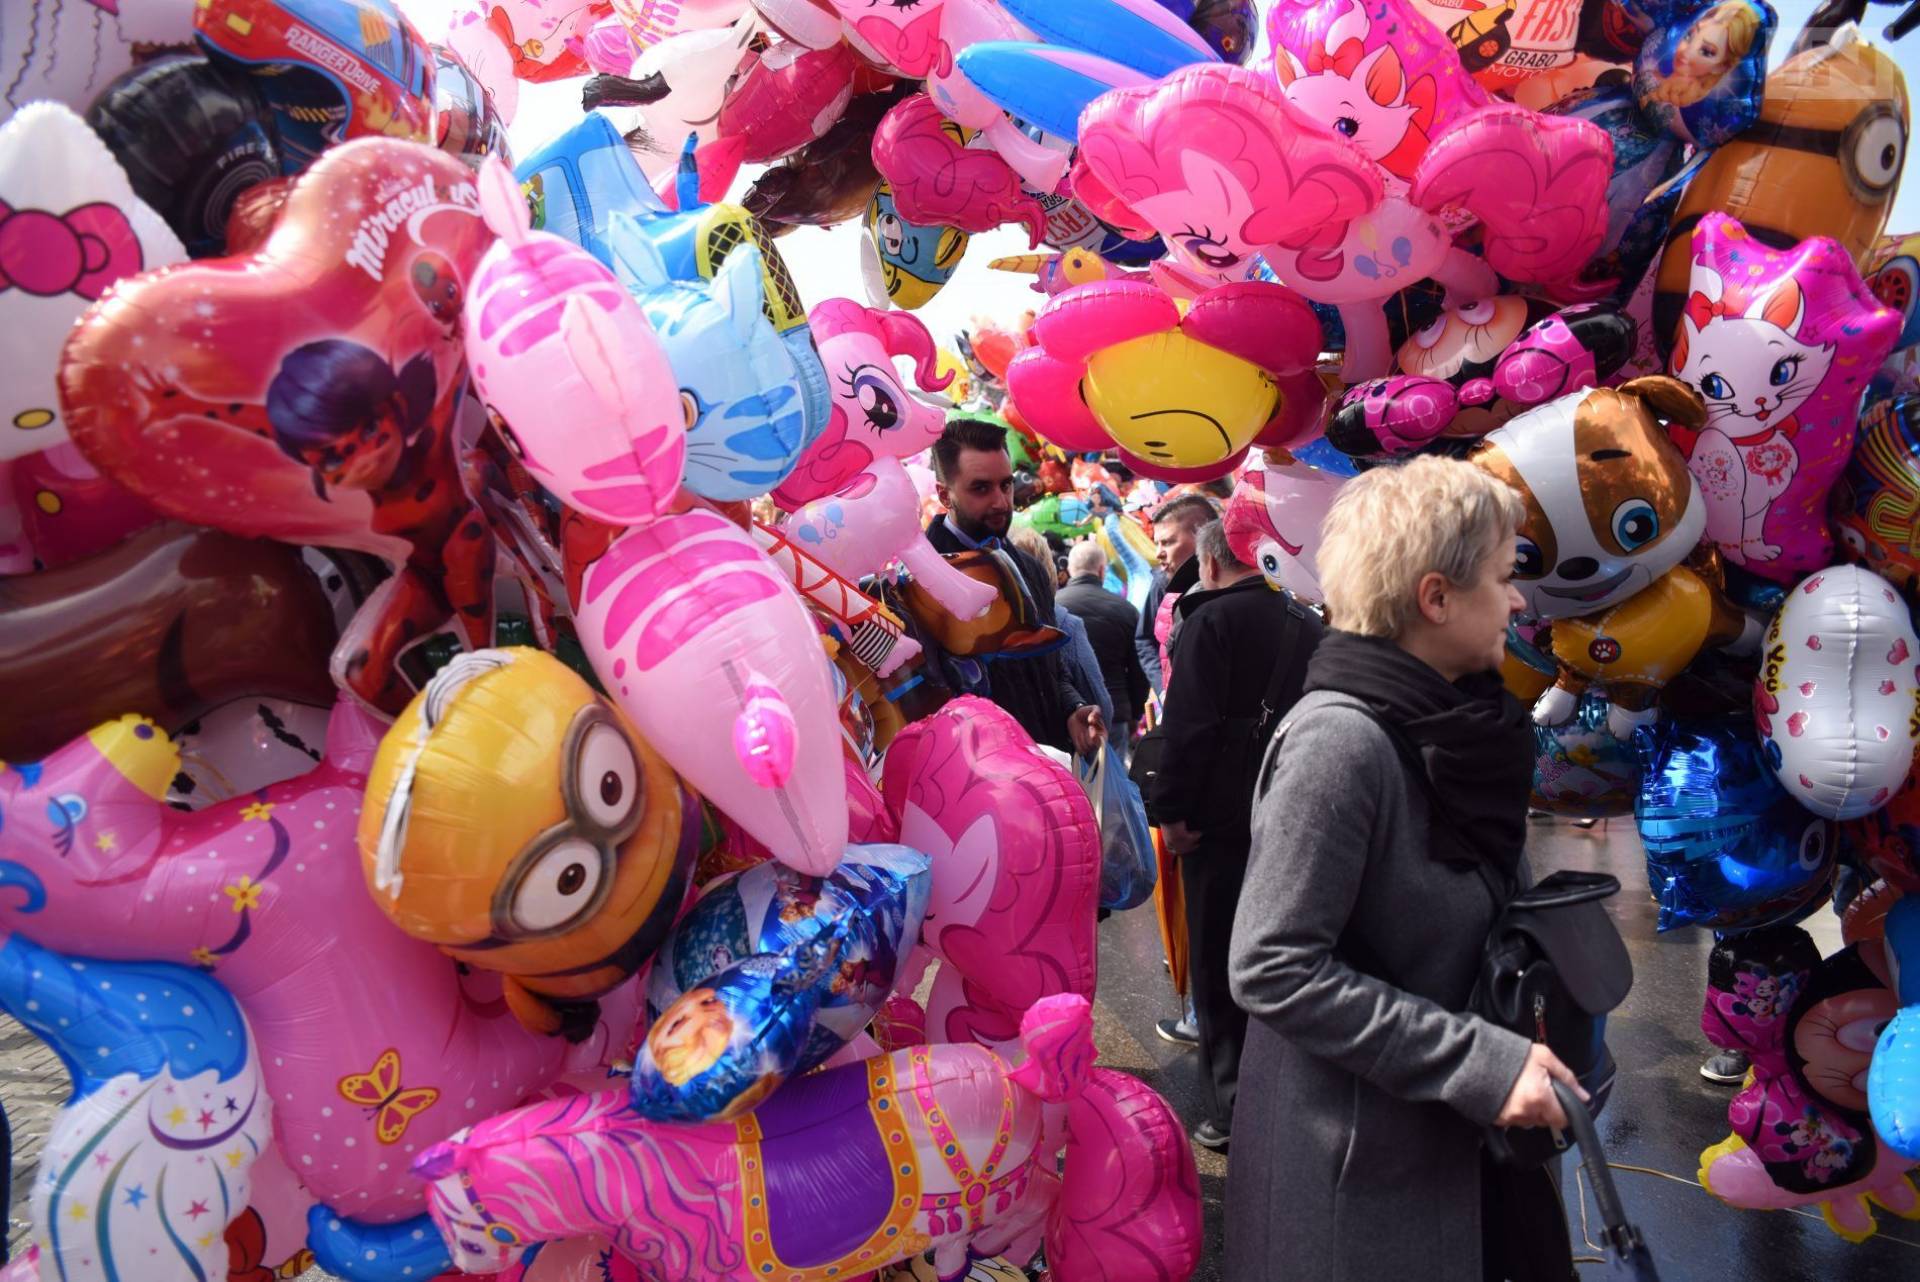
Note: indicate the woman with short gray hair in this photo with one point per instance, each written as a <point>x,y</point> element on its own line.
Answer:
<point>1391,808</point>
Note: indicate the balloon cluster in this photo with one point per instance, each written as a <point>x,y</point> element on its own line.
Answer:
<point>501,780</point>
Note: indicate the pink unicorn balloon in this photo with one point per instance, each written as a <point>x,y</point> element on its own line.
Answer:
<point>683,617</point>
<point>854,506</point>
<point>1222,163</point>
<point>372,1045</point>
<point>569,366</point>
<point>845,1171</point>
<point>1273,523</point>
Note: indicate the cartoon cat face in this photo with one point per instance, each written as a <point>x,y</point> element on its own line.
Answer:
<point>1743,356</point>
<point>1368,104</point>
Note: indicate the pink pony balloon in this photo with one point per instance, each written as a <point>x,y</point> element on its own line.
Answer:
<point>1219,161</point>
<point>904,38</point>
<point>567,362</point>
<point>938,180</point>
<point>1182,395</point>
<point>1780,344</point>
<point>1016,867</point>
<point>373,1045</point>
<point>855,508</point>
<point>842,1172</point>
<point>1273,523</point>
<point>967,22</point>
<point>682,616</point>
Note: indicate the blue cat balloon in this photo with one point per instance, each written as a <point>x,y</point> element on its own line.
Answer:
<point>1727,847</point>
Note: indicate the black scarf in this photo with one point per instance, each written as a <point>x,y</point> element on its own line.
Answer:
<point>1473,740</point>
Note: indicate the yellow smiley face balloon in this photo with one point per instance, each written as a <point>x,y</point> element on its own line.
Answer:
<point>1175,401</point>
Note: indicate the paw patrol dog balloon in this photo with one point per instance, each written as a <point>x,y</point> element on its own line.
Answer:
<point>1835,702</point>
<point>1780,345</point>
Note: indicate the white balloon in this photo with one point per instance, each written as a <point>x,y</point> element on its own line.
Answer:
<point>1836,699</point>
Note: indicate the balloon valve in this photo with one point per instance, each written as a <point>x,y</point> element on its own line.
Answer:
<point>765,735</point>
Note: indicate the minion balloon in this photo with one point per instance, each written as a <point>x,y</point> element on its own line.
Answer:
<point>515,820</point>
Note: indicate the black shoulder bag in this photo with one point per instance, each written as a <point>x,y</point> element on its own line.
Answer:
<point>1248,736</point>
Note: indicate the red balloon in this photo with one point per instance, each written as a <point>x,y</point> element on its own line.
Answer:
<point>307,391</point>
<point>788,96</point>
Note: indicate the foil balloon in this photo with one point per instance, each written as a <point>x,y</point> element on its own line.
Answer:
<point>466,122</point>
<point>828,181</point>
<point>740,394</point>
<point>854,506</point>
<point>1505,45</point>
<point>1140,34</point>
<point>576,183</point>
<point>55,509</point>
<point>1582,768</point>
<point>686,78</point>
<point>358,1070</point>
<point>243,746</point>
<point>1876,506</point>
<point>816,1182</point>
<point>1016,867</point>
<point>1823,159</point>
<point>1273,520</point>
<point>1835,703</point>
<point>191,137</point>
<point>786,97</point>
<point>770,974</point>
<point>1893,274</point>
<point>935,178</point>
<point>1801,1133</point>
<point>1893,1079</point>
<point>1598,531</point>
<point>170,624</point>
<point>966,24</point>
<point>1231,28</point>
<point>1780,346</point>
<point>1118,363</point>
<point>1644,157</point>
<point>518,822</point>
<point>1700,77</point>
<point>906,264</point>
<point>71,227</point>
<point>1474,367</point>
<point>331,70</point>
<point>314,396</point>
<point>1727,847</point>
<point>168,1083</point>
<point>68,53</point>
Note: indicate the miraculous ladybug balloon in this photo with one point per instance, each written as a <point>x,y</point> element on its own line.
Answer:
<point>307,391</point>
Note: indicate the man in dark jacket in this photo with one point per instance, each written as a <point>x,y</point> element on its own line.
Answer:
<point>1111,625</point>
<point>975,481</point>
<point>1174,527</point>
<point>1234,631</point>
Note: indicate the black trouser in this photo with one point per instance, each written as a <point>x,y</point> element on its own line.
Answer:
<point>1211,877</point>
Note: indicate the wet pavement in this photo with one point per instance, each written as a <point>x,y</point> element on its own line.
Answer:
<point>1661,1116</point>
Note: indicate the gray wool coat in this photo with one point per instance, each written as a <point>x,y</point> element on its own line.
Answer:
<point>1356,1143</point>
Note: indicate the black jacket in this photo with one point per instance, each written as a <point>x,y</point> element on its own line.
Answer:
<point>1034,689</point>
<point>1229,643</point>
<point>1111,628</point>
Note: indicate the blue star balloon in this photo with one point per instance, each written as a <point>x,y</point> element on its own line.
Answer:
<point>1727,847</point>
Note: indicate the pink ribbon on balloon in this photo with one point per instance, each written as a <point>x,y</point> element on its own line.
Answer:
<point>80,252</point>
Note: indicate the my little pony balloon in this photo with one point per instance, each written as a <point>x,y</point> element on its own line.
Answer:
<point>168,1085</point>
<point>769,975</point>
<point>570,369</point>
<point>936,178</point>
<point>1835,703</point>
<point>1780,344</point>
<point>1273,524</point>
<point>854,506</point>
<point>1802,1136</point>
<point>1476,366</point>
<point>819,1182</point>
<point>519,824</point>
<point>371,1043</point>
<point>1118,363</point>
<point>313,395</point>
<point>1727,847</point>
<point>1219,161</point>
<point>70,227</point>
<point>746,426</point>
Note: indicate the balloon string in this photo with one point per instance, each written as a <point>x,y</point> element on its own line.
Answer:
<point>1586,1237</point>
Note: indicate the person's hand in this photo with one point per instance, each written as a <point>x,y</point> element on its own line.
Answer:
<point>1180,839</point>
<point>1089,731</point>
<point>1532,1102</point>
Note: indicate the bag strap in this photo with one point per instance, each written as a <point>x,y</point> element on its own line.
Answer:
<point>1271,702</point>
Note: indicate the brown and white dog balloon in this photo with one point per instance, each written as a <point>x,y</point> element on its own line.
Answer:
<point>1612,511</point>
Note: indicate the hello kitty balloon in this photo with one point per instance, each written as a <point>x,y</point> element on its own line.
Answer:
<point>1780,344</point>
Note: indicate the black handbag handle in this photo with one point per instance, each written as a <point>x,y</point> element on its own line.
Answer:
<point>1624,1237</point>
<point>1568,887</point>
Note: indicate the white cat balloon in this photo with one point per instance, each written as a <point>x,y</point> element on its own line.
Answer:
<point>1779,344</point>
<point>70,226</point>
